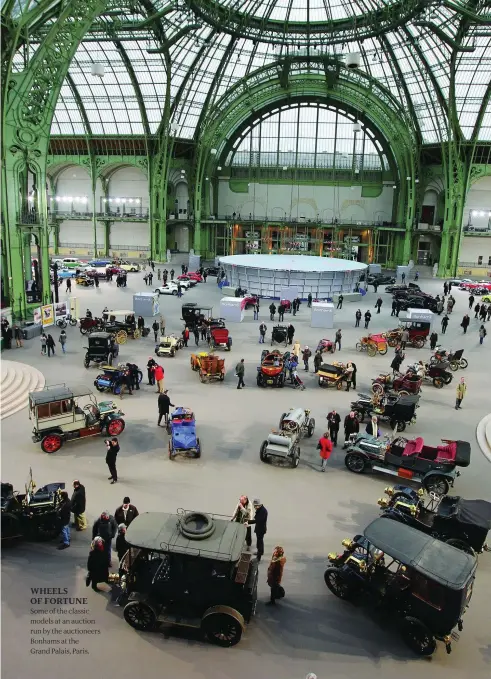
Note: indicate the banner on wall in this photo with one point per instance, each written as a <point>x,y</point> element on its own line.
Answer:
<point>48,315</point>
<point>61,310</point>
<point>37,317</point>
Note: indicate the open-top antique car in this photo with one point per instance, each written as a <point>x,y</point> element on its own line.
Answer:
<point>181,426</point>
<point>422,585</point>
<point>284,443</point>
<point>271,372</point>
<point>124,327</point>
<point>89,324</point>
<point>326,345</point>
<point>193,315</point>
<point>32,515</point>
<point>209,366</point>
<point>454,359</point>
<point>332,374</point>
<point>406,384</point>
<point>219,337</point>
<point>113,377</point>
<point>461,523</point>
<point>434,467</point>
<point>58,416</point>
<point>437,374</point>
<point>373,344</point>
<point>279,335</point>
<point>189,569</point>
<point>418,333</point>
<point>169,345</point>
<point>100,349</point>
<point>85,280</point>
<point>397,410</point>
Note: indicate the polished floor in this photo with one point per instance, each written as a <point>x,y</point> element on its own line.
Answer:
<point>309,512</point>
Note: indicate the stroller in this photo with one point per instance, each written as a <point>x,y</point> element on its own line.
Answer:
<point>297,382</point>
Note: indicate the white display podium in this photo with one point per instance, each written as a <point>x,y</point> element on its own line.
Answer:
<point>290,293</point>
<point>421,315</point>
<point>146,304</point>
<point>232,309</point>
<point>322,315</point>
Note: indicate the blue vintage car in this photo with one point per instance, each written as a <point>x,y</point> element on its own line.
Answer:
<point>182,430</point>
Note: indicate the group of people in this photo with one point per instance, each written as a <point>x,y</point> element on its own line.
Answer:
<point>351,426</point>
<point>8,333</point>
<point>367,317</point>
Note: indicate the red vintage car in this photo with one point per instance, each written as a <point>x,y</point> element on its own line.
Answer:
<point>219,337</point>
<point>115,270</point>
<point>192,276</point>
<point>271,372</point>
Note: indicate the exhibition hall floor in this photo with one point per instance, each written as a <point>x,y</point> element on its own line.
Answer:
<point>309,512</point>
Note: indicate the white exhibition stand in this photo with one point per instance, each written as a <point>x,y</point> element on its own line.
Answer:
<point>322,315</point>
<point>146,304</point>
<point>421,315</point>
<point>290,293</point>
<point>232,309</point>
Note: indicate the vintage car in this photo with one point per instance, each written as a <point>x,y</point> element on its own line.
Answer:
<point>169,345</point>
<point>219,337</point>
<point>331,374</point>
<point>271,372</point>
<point>186,278</point>
<point>402,384</point>
<point>397,410</point>
<point>193,315</point>
<point>326,345</point>
<point>189,569</point>
<point>421,585</point>
<point>381,279</point>
<point>284,443</point>
<point>32,515</point>
<point>454,359</point>
<point>420,302</point>
<point>59,417</point>
<point>133,267</point>
<point>402,288</point>
<point>100,349</point>
<point>418,333</point>
<point>192,275</point>
<point>181,426</point>
<point>169,288</point>
<point>486,298</point>
<point>122,324</point>
<point>434,467</point>
<point>113,377</point>
<point>84,280</point>
<point>279,335</point>
<point>88,325</point>
<point>464,524</point>
<point>250,300</point>
<point>373,344</point>
<point>209,366</point>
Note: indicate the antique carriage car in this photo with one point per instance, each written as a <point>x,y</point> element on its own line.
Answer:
<point>284,443</point>
<point>423,585</point>
<point>100,350</point>
<point>271,372</point>
<point>181,426</point>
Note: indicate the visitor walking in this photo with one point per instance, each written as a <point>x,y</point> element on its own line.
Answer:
<point>290,332</point>
<point>317,361</point>
<point>112,450</point>
<point>262,332</point>
<point>185,336</point>
<point>272,311</point>
<point>351,426</point>
<point>50,344</point>
<point>394,307</point>
<point>482,334</point>
<point>465,323</point>
<point>256,311</point>
<point>483,312</point>
<point>306,354</point>
<point>445,320</point>
<point>163,404</point>
<point>155,328</point>
<point>433,340</point>
<point>357,318</point>
<point>461,392</point>
<point>281,312</point>
<point>333,422</point>
<point>337,339</point>
<point>62,340</point>
<point>340,302</point>
<point>404,338</point>
<point>489,313</point>
<point>78,502</point>
<point>159,378</point>
<point>43,339</point>
<point>296,349</point>
<point>126,512</point>
<point>471,301</point>
<point>18,335</point>
<point>239,371</point>
<point>260,522</point>
<point>325,449</point>
<point>196,335</point>
<point>64,512</point>
<point>368,316</point>
<point>477,309</point>
<point>106,528</point>
<point>97,565</point>
<point>275,575</point>
<point>403,278</point>
<point>378,304</point>
<point>68,285</point>
<point>309,300</point>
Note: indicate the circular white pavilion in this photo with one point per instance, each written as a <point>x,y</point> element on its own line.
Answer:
<point>270,275</point>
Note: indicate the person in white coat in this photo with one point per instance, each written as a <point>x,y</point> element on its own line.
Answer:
<point>244,513</point>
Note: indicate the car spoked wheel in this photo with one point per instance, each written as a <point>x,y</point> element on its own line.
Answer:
<point>336,584</point>
<point>115,427</point>
<point>51,443</point>
<point>139,615</point>
<point>463,363</point>
<point>262,452</point>
<point>355,462</point>
<point>418,637</point>
<point>436,484</point>
<point>222,629</point>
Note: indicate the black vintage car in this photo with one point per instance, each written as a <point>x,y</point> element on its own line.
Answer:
<point>189,569</point>
<point>32,515</point>
<point>397,410</point>
<point>423,585</point>
<point>100,350</point>
<point>464,524</point>
<point>418,303</point>
<point>279,335</point>
<point>381,279</point>
<point>411,287</point>
<point>193,314</point>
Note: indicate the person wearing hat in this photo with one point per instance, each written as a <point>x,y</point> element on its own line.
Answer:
<point>78,505</point>
<point>351,426</point>
<point>97,565</point>
<point>126,512</point>
<point>275,574</point>
<point>106,528</point>
<point>260,520</point>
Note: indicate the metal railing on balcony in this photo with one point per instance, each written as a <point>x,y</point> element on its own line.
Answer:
<point>28,217</point>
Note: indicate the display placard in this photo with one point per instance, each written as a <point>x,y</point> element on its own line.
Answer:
<point>48,315</point>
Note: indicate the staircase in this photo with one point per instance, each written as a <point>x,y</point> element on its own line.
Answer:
<point>483,435</point>
<point>17,380</point>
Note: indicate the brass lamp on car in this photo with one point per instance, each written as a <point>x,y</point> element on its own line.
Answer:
<point>332,556</point>
<point>383,502</point>
<point>348,543</point>
<point>389,491</point>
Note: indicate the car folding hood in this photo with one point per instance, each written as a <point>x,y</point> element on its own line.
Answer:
<point>474,512</point>
<point>184,435</point>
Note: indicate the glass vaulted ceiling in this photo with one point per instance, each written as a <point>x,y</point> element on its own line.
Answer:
<point>412,60</point>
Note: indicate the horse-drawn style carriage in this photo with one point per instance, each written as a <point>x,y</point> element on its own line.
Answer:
<point>396,409</point>
<point>181,427</point>
<point>122,329</point>
<point>279,335</point>
<point>271,372</point>
<point>418,333</point>
<point>209,366</point>
<point>101,349</point>
<point>332,374</point>
<point>373,344</point>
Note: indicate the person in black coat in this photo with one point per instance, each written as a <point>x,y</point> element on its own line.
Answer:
<point>351,426</point>
<point>97,564</point>
<point>368,316</point>
<point>290,331</point>
<point>111,456</point>
<point>125,513</point>
<point>333,422</point>
<point>396,363</point>
<point>164,403</point>
<point>106,528</point>
<point>78,505</point>
<point>260,520</point>
<point>151,371</point>
<point>64,512</point>
<point>134,377</point>
<point>121,545</point>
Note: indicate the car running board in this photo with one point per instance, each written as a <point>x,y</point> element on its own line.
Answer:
<point>395,472</point>
<point>173,619</point>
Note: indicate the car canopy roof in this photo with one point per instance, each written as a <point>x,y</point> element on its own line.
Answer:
<point>161,532</point>
<point>474,513</point>
<point>57,392</point>
<point>99,335</point>
<point>432,558</point>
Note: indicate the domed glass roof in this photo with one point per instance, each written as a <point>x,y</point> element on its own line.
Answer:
<point>433,57</point>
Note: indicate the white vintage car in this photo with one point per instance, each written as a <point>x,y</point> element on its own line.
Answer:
<point>168,289</point>
<point>284,443</point>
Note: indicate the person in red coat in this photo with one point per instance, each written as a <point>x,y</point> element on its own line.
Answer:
<point>325,450</point>
<point>185,336</point>
<point>159,378</point>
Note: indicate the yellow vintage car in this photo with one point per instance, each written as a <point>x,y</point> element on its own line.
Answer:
<point>486,298</point>
<point>132,267</point>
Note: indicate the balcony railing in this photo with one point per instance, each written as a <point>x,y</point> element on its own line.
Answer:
<point>30,217</point>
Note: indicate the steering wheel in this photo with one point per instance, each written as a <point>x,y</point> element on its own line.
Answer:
<point>434,496</point>
<point>290,425</point>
